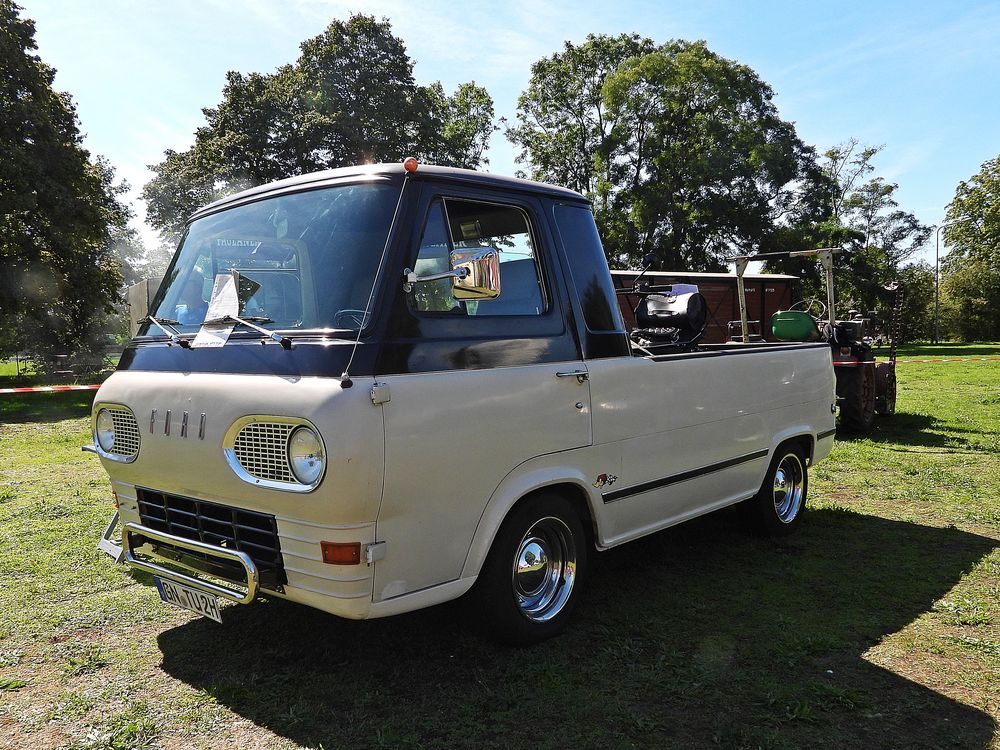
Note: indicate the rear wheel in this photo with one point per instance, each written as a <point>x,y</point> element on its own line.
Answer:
<point>531,580</point>
<point>776,509</point>
<point>857,410</point>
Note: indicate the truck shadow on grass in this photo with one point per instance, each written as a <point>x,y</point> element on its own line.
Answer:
<point>699,636</point>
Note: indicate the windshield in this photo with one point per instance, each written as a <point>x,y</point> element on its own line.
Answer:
<point>306,260</point>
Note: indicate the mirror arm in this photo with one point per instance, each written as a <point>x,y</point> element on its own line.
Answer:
<point>410,277</point>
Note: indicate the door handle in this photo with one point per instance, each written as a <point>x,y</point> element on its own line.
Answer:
<point>581,375</point>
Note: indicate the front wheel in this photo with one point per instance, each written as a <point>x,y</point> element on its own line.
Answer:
<point>776,509</point>
<point>531,580</point>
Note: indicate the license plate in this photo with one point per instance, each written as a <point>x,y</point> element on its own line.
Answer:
<point>184,596</point>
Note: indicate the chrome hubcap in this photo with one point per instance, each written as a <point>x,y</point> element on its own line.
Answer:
<point>789,488</point>
<point>544,569</point>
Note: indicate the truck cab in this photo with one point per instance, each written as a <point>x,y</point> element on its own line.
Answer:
<point>374,389</point>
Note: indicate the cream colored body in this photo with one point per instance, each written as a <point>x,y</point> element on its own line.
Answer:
<point>433,472</point>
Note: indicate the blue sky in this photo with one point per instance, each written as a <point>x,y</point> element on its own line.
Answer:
<point>919,77</point>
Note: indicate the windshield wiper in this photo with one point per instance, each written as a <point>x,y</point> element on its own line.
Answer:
<point>171,334</point>
<point>250,322</point>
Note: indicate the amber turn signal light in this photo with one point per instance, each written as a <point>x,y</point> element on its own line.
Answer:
<point>341,553</point>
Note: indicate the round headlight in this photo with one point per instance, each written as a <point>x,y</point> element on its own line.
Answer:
<point>105,430</point>
<point>305,455</point>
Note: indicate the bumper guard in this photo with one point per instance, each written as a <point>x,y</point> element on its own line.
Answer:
<point>230,555</point>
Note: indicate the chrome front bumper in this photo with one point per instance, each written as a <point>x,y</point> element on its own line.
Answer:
<point>220,553</point>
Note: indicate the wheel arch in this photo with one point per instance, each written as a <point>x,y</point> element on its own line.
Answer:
<point>803,437</point>
<point>515,490</point>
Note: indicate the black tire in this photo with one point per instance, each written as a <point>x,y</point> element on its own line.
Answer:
<point>857,410</point>
<point>776,509</point>
<point>885,404</point>
<point>531,580</point>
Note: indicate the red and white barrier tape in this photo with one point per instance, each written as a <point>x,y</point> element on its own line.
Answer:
<point>50,388</point>
<point>952,359</point>
<point>898,361</point>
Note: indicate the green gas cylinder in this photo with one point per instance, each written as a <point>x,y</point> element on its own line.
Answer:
<point>794,325</point>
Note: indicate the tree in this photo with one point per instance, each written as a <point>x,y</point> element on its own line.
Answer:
<point>349,99</point>
<point>565,129</point>
<point>58,208</point>
<point>457,128</point>
<point>864,220</point>
<point>917,315</point>
<point>970,285</point>
<point>682,150</point>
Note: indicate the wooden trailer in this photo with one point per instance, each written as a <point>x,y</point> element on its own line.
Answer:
<point>766,293</point>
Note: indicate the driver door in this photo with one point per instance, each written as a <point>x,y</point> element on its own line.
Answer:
<point>488,386</point>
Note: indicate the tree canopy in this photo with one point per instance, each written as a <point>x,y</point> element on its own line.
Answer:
<point>971,271</point>
<point>878,239</point>
<point>350,98</point>
<point>59,208</point>
<point>682,150</point>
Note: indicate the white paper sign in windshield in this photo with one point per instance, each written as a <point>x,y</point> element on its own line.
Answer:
<point>225,301</point>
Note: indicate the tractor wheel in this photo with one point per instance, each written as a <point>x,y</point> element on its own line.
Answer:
<point>857,411</point>
<point>885,379</point>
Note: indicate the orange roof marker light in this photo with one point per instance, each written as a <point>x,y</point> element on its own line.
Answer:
<point>410,164</point>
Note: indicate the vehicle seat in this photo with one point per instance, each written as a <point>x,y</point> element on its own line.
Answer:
<point>670,320</point>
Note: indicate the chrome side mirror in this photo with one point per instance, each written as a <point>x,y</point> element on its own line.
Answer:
<point>475,274</point>
<point>481,277</point>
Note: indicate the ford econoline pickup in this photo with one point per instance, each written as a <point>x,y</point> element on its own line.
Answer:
<point>375,389</point>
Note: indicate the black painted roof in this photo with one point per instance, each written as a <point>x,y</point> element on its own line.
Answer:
<point>451,174</point>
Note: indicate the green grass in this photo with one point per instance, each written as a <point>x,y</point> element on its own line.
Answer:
<point>44,407</point>
<point>878,625</point>
<point>14,374</point>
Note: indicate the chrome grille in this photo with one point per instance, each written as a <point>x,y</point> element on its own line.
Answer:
<point>126,441</point>
<point>262,450</point>
<point>221,525</point>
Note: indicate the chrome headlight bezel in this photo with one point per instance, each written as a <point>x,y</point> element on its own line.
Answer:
<point>266,452</point>
<point>115,432</point>
<point>306,457</point>
<point>104,434</point>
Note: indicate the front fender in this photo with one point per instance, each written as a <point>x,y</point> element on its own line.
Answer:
<point>535,474</point>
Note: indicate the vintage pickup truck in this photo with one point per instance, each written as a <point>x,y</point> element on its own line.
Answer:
<point>375,389</point>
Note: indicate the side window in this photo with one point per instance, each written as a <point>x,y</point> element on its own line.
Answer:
<point>460,224</point>
<point>434,257</point>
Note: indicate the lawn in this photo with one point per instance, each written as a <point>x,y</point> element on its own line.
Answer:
<point>877,626</point>
<point>12,370</point>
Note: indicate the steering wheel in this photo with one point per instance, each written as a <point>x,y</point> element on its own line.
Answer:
<point>349,318</point>
<point>809,305</point>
